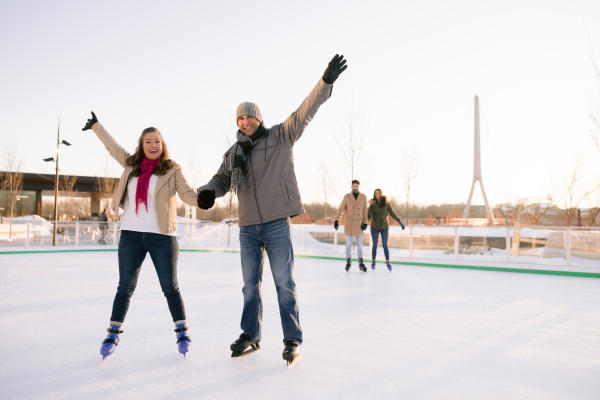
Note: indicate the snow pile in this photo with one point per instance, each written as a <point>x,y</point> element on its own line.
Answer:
<point>38,226</point>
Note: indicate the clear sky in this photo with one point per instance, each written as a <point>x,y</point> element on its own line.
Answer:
<point>414,69</point>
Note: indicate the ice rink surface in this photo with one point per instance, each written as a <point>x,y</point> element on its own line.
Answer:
<point>414,333</point>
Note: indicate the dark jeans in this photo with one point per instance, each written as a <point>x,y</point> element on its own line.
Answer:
<point>274,237</point>
<point>384,240</point>
<point>163,250</point>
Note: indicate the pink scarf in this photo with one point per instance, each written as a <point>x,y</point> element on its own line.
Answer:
<point>141,193</point>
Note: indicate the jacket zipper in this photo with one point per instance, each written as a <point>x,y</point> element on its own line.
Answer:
<point>254,190</point>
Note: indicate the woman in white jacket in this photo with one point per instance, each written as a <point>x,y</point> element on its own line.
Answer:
<point>147,193</point>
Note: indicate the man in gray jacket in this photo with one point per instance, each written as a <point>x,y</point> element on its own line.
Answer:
<point>259,168</point>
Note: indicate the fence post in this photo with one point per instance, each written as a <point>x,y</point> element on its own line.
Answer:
<point>27,236</point>
<point>484,238</point>
<point>186,231</point>
<point>508,244</point>
<point>303,237</point>
<point>456,242</point>
<point>568,245</point>
<point>411,243</point>
<point>229,234</point>
<point>114,229</point>
<point>219,236</point>
<point>77,233</point>
<point>335,241</point>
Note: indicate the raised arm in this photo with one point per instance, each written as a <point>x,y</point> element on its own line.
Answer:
<point>293,127</point>
<point>115,150</point>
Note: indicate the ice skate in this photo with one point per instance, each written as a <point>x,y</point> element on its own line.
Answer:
<point>244,345</point>
<point>112,339</point>
<point>361,265</point>
<point>184,343</point>
<point>348,263</point>
<point>291,352</point>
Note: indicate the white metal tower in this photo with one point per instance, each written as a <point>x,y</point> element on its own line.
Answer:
<point>477,171</point>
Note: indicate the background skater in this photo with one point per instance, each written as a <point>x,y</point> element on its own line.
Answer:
<point>354,210</point>
<point>379,210</point>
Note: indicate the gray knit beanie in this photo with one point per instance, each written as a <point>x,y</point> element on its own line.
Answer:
<point>249,109</point>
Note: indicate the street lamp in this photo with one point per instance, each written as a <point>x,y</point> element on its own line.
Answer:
<point>55,159</point>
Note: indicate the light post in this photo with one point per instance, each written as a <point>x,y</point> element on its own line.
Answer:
<point>55,159</point>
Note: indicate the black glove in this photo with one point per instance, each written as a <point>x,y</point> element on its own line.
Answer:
<point>336,224</point>
<point>206,199</point>
<point>363,226</point>
<point>90,122</point>
<point>334,69</point>
<point>401,224</point>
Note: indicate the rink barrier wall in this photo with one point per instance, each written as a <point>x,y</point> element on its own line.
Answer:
<point>407,263</point>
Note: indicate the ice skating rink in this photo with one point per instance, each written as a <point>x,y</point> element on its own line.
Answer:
<point>414,333</point>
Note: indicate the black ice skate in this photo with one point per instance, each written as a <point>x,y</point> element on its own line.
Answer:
<point>291,352</point>
<point>348,263</point>
<point>244,345</point>
<point>361,265</point>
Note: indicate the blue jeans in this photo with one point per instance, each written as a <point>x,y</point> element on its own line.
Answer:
<point>359,246</point>
<point>274,237</point>
<point>163,250</point>
<point>384,241</point>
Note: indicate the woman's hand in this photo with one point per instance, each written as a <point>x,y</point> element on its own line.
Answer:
<point>90,122</point>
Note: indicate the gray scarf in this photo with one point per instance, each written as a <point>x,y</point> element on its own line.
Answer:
<point>236,158</point>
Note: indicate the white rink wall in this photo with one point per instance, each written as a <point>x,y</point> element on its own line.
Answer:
<point>557,247</point>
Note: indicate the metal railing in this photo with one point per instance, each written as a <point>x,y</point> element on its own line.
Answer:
<point>570,244</point>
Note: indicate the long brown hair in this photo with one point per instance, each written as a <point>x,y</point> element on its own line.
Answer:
<point>382,198</point>
<point>135,160</point>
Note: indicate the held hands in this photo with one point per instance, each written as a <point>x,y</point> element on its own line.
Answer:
<point>336,224</point>
<point>334,69</point>
<point>206,199</point>
<point>363,226</point>
<point>90,122</point>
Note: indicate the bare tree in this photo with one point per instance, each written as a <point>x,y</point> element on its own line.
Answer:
<point>512,212</point>
<point>105,187</point>
<point>12,182</point>
<point>595,124</point>
<point>574,191</point>
<point>595,106</point>
<point>67,186</point>
<point>410,167</point>
<point>326,186</point>
<point>351,142</point>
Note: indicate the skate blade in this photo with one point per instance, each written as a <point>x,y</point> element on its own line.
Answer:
<point>290,363</point>
<point>244,353</point>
